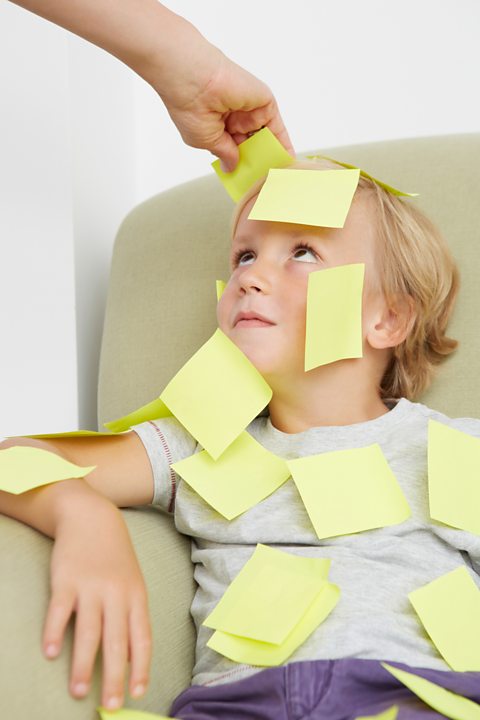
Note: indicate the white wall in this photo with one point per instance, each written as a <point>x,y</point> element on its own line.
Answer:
<point>83,140</point>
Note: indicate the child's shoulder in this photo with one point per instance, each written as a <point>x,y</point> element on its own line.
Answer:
<point>468,425</point>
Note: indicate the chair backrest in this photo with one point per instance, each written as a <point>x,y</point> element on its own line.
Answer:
<point>170,250</point>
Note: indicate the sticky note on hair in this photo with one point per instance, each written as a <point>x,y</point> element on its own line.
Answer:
<point>151,411</point>
<point>220,286</point>
<point>363,173</point>
<point>254,652</point>
<point>216,394</point>
<point>257,155</point>
<point>444,701</point>
<point>308,197</point>
<point>348,491</point>
<point>453,477</point>
<point>243,475</point>
<point>129,714</point>
<point>23,468</point>
<point>334,315</point>
<point>449,608</point>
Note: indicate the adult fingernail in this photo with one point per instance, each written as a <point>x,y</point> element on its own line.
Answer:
<point>223,167</point>
<point>138,690</point>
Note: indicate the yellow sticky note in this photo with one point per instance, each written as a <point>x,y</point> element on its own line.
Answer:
<point>220,286</point>
<point>389,714</point>
<point>449,608</point>
<point>444,701</point>
<point>70,433</point>
<point>216,394</point>
<point>151,411</point>
<point>454,477</point>
<point>334,315</point>
<point>388,188</point>
<point>257,155</point>
<point>347,491</point>
<point>269,595</point>
<point>253,652</point>
<point>243,475</point>
<point>307,197</point>
<point>24,468</point>
<point>128,714</point>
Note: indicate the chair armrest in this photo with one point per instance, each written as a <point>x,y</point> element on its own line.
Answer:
<point>32,687</point>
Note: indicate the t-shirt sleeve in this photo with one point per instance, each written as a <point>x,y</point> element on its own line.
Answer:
<point>166,441</point>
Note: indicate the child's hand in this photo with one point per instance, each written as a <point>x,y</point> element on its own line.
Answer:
<point>95,574</point>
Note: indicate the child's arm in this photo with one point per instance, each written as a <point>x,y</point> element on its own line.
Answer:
<point>94,570</point>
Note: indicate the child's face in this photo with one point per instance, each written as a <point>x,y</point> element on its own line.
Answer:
<point>263,307</point>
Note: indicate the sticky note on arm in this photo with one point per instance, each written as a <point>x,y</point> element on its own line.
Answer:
<point>25,468</point>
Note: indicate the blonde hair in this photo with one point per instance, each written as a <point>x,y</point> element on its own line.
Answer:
<point>414,264</point>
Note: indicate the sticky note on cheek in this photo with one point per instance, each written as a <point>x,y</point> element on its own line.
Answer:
<point>334,315</point>
<point>308,197</point>
<point>24,468</point>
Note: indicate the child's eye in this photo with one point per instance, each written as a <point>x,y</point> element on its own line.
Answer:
<point>243,257</point>
<point>305,253</point>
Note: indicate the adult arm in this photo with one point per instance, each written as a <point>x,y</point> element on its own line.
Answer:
<point>213,102</point>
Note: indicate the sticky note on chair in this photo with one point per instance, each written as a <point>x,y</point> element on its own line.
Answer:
<point>307,197</point>
<point>129,714</point>
<point>449,609</point>
<point>24,468</point>
<point>257,155</point>
<point>334,315</point>
<point>220,287</point>
<point>253,652</point>
<point>151,411</point>
<point>269,595</point>
<point>389,714</point>
<point>454,477</point>
<point>444,701</point>
<point>216,394</point>
<point>348,491</point>
<point>384,185</point>
<point>243,475</point>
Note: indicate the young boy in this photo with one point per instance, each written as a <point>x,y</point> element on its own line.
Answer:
<point>410,287</point>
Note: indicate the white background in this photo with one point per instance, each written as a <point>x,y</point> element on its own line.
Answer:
<point>83,140</point>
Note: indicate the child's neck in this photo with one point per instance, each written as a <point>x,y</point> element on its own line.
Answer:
<point>338,394</point>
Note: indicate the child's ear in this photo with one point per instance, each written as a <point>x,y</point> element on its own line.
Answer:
<point>393,323</point>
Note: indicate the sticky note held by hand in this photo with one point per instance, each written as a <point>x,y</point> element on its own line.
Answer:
<point>449,609</point>
<point>23,468</point>
<point>257,155</point>
<point>453,477</point>
<point>334,315</point>
<point>216,394</point>
<point>445,702</point>
<point>348,491</point>
<point>243,475</point>
<point>308,197</point>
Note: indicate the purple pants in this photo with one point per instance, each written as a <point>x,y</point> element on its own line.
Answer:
<point>319,690</point>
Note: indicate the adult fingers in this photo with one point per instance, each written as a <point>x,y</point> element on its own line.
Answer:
<point>226,149</point>
<point>140,647</point>
<point>242,122</point>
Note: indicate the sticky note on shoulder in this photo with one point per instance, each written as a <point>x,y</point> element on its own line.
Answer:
<point>454,477</point>
<point>308,197</point>
<point>151,411</point>
<point>216,394</point>
<point>24,468</point>
<point>449,609</point>
<point>257,155</point>
<point>334,315</point>
<point>444,701</point>
<point>243,475</point>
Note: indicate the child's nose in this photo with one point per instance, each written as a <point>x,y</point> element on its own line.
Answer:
<point>257,277</point>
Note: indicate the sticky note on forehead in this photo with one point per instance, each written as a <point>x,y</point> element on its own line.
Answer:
<point>334,315</point>
<point>216,394</point>
<point>258,154</point>
<point>306,197</point>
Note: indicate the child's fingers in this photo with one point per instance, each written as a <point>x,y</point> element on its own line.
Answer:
<point>115,651</point>
<point>88,629</point>
<point>60,609</point>
<point>140,648</point>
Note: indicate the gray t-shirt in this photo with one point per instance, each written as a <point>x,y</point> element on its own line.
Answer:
<point>375,570</point>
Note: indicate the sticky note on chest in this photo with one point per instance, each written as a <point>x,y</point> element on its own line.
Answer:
<point>334,315</point>
<point>307,197</point>
<point>216,394</point>
<point>24,468</point>
<point>243,475</point>
<point>454,477</point>
<point>449,609</point>
<point>348,491</point>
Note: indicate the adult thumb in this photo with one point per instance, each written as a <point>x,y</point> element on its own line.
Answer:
<point>226,149</point>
